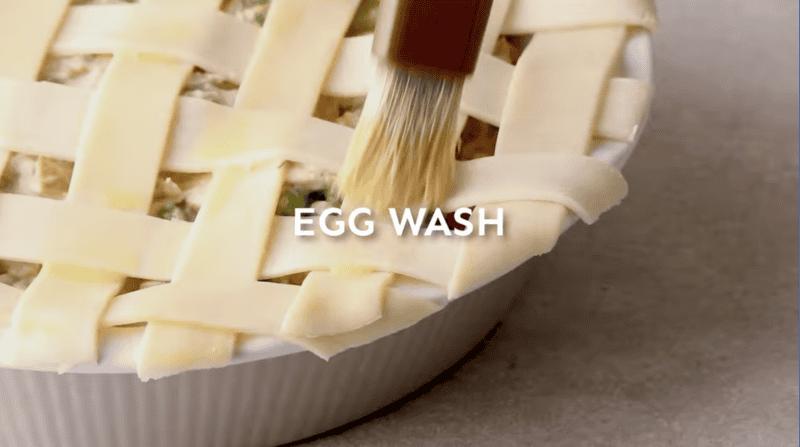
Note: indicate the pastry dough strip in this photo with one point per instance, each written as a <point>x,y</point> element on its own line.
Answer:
<point>114,161</point>
<point>34,26</point>
<point>399,312</point>
<point>118,159</point>
<point>593,186</point>
<point>530,16</point>
<point>9,296</point>
<point>246,311</point>
<point>623,109</point>
<point>33,29</point>
<point>197,34</point>
<point>38,229</point>
<point>27,32</point>
<point>494,26</point>
<point>221,43</point>
<point>165,348</point>
<point>44,118</point>
<point>328,304</point>
<point>553,104</point>
<point>290,62</point>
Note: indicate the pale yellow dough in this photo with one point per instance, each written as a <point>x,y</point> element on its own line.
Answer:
<point>330,304</point>
<point>554,97</point>
<point>31,30</point>
<point>549,107</point>
<point>118,157</point>
<point>226,244</point>
<point>530,16</point>
<point>625,106</point>
<point>399,312</point>
<point>45,119</point>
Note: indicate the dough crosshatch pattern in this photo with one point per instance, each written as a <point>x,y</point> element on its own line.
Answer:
<point>561,99</point>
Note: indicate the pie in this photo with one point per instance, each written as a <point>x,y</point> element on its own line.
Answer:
<point>154,152</point>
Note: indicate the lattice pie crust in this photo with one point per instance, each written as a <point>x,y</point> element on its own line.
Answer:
<point>560,97</point>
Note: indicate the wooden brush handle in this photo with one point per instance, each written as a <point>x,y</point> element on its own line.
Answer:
<point>438,36</point>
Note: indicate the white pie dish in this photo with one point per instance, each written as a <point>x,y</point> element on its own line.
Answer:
<point>271,393</point>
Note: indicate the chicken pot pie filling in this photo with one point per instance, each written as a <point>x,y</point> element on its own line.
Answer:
<point>154,153</point>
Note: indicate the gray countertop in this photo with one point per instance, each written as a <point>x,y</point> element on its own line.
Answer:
<point>673,321</point>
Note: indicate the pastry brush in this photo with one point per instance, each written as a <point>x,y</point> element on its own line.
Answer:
<point>403,149</point>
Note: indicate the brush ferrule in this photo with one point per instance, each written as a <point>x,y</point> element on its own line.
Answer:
<point>442,37</point>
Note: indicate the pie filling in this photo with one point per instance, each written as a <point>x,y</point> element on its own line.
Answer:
<point>156,152</point>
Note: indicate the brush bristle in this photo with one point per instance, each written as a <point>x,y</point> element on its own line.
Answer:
<point>403,149</point>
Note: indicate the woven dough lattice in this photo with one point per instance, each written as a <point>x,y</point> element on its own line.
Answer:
<point>560,97</point>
